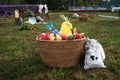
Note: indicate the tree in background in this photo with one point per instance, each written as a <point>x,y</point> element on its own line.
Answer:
<point>63,4</point>
<point>10,1</point>
<point>86,3</point>
<point>95,4</point>
<point>35,1</point>
<point>108,5</point>
<point>57,5</point>
<point>80,3</point>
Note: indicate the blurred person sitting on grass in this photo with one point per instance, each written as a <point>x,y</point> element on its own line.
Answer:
<point>18,19</point>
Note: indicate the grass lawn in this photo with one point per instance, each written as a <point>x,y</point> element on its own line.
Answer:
<point>19,59</point>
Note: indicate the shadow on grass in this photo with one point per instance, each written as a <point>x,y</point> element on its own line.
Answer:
<point>18,67</point>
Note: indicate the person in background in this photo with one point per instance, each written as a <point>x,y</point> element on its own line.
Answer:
<point>43,11</point>
<point>16,16</point>
<point>46,11</point>
<point>18,19</point>
<point>39,19</point>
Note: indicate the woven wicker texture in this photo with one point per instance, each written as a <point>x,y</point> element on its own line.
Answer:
<point>60,53</point>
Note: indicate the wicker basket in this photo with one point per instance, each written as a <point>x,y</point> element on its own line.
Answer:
<point>60,53</point>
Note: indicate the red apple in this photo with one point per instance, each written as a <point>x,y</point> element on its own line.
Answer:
<point>77,36</point>
<point>42,36</point>
<point>47,37</point>
<point>63,36</point>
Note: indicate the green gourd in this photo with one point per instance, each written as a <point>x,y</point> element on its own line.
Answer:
<point>71,37</point>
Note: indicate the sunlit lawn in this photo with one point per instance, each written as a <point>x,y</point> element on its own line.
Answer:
<point>19,59</point>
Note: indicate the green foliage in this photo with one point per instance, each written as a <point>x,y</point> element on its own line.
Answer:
<point>86,3</point>
<point>25,26</point>
<point>29,13</point>
<point>80,3</point>
<point>10,1</point>
<point>96,3</point>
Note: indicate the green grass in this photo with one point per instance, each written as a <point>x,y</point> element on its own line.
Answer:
<point>109,13</point>
<point>19,59</point>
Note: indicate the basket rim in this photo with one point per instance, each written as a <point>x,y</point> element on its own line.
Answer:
<point>60,40</point>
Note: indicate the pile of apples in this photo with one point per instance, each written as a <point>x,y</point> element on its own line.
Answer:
<point>58,37</point>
